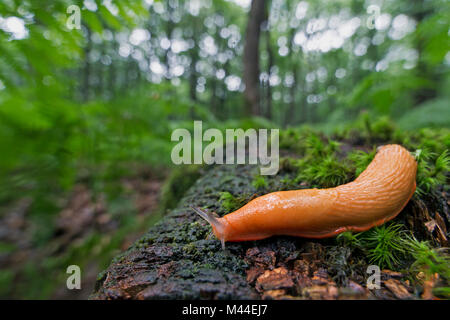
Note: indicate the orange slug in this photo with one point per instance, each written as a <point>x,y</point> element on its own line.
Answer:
<point>376,196</point>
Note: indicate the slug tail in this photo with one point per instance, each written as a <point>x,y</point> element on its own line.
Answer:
<point>216,223</point>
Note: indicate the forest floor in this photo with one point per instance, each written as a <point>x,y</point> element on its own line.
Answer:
<point>177,259</point>
<point>87,231</point>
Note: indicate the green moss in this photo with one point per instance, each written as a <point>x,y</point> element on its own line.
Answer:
<point>381,129</point>
<point>320,146</point>
<point>390,246</point>
<point>383,245</point>
<point>370,128</point>
<point>189,248</point>
<point>288,164</point>
<point>442,292</point>
<point>290,139</point>
<point>349,239</point>
<point>323,172</point>
<point>361,160</point>
<point>229,202</point>
<point>321,166</point>
<point>260,182</point>
<point>427,259</point>
<point>431,170</point>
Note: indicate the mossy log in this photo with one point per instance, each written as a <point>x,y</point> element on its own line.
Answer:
<point>178,259</point>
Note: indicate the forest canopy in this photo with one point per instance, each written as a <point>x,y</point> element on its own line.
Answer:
<point>133,63</point>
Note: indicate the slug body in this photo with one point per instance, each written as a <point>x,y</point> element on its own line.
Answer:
<point>376,196</point>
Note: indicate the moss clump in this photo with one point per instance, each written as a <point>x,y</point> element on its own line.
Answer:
<point>318,146</point>
<point>349,239</point>
<point>380,129</point>
<point>229,202</point>
<point>427,259</point>
<point>260,182</point>
<point>390,246</point>
<point>361,160</point>
<point>325,172</point>
<point>385,245</point>
<point>325,163</point>
<point>431,170</point>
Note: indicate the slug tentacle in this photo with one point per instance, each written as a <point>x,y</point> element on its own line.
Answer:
<point>214,220</point>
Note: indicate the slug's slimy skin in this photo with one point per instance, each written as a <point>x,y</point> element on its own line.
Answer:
<point>376,196</point>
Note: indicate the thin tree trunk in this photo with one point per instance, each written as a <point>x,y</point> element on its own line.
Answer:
<point>87,65</point>
<point>270,64</point>
<point>251,57</point>
<point>194,58</point>
<point>222,113</point>
<point>213,89</point>
<point>126,82</point>
<point>112,71</point>
<point>291,114</point>
<point>169,29</point>
<point>99,71</point>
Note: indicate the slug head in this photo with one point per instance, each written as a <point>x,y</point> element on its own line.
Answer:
<point>218,224</point>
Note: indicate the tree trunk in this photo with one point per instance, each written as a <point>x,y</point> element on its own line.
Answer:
<point>251,57</point>
<point>87,66</point>
<point>112,71</point>
<point>291,114</point>
<point>270,64</point>
<point>193,53</point>
<point>169,30</point>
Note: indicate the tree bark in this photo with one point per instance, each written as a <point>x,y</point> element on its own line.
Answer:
<point>291,114</point>
<point>251,57</point>
<point>87,66</point>
<point>112,71</point>
<point>270,64</point>
<point>193,54</point>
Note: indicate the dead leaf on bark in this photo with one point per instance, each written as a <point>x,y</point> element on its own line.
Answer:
<point>326,292</point>
<point>274,294</point>
<point>320,277</point>
<point>391,274</point>
<point>253,273</point>
<point>278,278</point>
<point>398,289</point>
